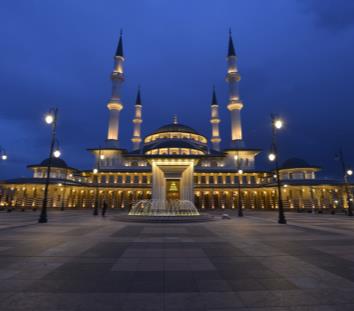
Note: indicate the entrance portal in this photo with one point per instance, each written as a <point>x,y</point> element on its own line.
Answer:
<point>172,179</point>
<point>172,189</point>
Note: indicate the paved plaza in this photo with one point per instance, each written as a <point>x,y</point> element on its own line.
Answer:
<point>81,262</point>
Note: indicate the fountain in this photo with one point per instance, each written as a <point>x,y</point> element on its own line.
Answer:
<point>164,211</point>
<point>164,208</point>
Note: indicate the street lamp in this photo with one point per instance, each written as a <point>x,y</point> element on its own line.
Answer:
<point>3,154</point>
<point>56,153</point>
<point>271,156</point>
<point>277,124</point>
<point>349,198</point>
<point>50,119</point>
<point>62,195</point>
<point>346,173</point>
<point>239,199</point>
<point>95,171</point>
<point>3,157</point>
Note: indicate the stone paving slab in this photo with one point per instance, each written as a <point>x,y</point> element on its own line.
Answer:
<point>80,262</point>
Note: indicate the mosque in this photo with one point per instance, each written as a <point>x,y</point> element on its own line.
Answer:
<point>175,162</point>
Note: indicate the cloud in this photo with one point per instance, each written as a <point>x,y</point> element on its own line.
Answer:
<point>334,15</point>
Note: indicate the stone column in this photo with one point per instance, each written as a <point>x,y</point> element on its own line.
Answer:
<point>187,184</point>
<point>158,183</point>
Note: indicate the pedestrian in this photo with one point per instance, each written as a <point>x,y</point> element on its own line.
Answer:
<point>104,209</point>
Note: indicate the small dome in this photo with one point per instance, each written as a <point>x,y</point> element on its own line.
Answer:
<point>175,127</point>
<point>295,163</point>
<point>56,162</point>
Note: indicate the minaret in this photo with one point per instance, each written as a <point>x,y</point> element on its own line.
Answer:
<point>235,104</point>
<point>137,122</point>
<point>215,136</point>
<point>115,104</point>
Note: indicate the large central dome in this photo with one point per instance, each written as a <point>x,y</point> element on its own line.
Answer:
<point>175,127</point>
<point>175,139</point>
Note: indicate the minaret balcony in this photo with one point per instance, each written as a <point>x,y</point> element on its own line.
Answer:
<point>235,105</point>
<point>114,106</point>
<point>116,75</point>
<point>136,140</point>
<point>233,76</point>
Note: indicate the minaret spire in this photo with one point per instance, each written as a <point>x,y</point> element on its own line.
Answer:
<point>138,97</point>
<point>231,49</point>
<point>137,122</point>
<point>235,104</point>
<point>214,101</point>
<point>115,104</point>
<point>215,135</point>
<point>119,51</point>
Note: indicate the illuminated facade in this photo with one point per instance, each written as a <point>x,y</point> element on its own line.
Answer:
<point>175,162</point>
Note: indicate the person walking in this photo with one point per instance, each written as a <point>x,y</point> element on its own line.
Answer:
<point>104,208</point>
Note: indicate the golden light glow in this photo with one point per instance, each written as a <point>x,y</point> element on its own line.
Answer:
<point>214,195</point>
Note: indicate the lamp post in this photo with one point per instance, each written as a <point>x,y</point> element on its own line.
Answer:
<point>346,173</point>
<point>62,190</point>
<point>3,157</point>
<point>277,124</point>
<point>51,119</point>
<point>3,154</point>
<point>95,171</point>
<point>239,199</point>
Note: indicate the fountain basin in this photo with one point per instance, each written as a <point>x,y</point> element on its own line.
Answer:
<point>164,211</point>
<point>164,208</point>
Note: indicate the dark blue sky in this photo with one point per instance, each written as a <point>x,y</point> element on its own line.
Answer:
<point>296,58</point>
